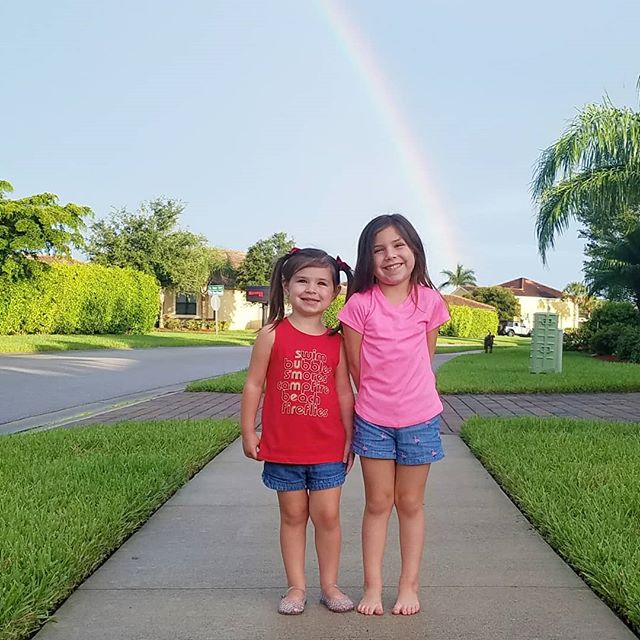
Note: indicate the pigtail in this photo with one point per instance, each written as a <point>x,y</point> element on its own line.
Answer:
<point>346,269</point>
<point>276,293</point>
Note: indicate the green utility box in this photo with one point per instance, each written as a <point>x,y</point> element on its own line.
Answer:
<point>546,344</point>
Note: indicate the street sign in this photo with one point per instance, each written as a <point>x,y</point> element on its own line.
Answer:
<point>214,301</point>
<point>215,289</point>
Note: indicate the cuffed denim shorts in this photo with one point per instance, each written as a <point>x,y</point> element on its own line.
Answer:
<point>296,477</point>
<point>416,444</point>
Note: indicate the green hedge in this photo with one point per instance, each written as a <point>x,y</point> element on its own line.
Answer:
<point>466,322</point>
<point>80,298</point>
<point>330,316</point>
<point>469,322</point>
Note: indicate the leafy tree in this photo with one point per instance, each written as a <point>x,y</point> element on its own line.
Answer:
<point>615,272</point>
<point>507,305</point>
<point>149,241</point>
<point>578,293</point>
<point>35,225</point>
<point>257,266</point>
<point>458,278</point>
<point>591,174</point>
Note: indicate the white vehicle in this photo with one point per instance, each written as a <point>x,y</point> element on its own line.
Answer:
<point>515,328</point>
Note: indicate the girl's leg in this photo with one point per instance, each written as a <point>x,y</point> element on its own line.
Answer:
<point>379,481</point>
<point>410,484</point>
<point>324,510</point>
<point>294,513</point>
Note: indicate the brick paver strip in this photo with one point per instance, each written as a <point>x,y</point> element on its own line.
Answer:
<point>457,408</point>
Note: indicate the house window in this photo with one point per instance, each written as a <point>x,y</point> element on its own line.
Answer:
<point>186,304</point>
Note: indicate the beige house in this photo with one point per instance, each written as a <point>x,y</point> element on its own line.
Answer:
<point>234,308</point>
<point>535,297</point>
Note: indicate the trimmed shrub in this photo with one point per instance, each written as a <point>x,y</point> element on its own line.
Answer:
<point>605,339</point>
<point>330,316</point>
<point>80,298</point>
<point>628,345</point>
<point>577,339</point>
<point>469,322</point>
<point>609,313</point>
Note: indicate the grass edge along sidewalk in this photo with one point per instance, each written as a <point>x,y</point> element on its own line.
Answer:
<point>42,343</point>
<point>578,482</point>
<point>71,497</point>
<point>507,371</point>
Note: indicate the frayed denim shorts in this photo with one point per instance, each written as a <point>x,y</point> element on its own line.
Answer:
<point>416,444</point>
<point>296,477</point>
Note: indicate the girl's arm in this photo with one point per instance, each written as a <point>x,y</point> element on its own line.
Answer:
<point>345,399</point>
<point>353,344</point>
<point>252,390</point>
<point>432,339</point>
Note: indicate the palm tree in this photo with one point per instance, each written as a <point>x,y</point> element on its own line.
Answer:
<point>458,278</point>
<point>583,301</point>
<point>591,174</point>
<point>616,270</point>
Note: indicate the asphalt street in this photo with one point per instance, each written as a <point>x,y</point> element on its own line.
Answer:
<point>45,387</point>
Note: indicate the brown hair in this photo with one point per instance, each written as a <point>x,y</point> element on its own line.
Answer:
<point>364,277</point>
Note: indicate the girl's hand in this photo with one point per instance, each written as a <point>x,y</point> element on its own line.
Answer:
<point>251,445</point>
<point>348,456</point>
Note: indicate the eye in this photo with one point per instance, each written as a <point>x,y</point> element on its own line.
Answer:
<point>378,250</point>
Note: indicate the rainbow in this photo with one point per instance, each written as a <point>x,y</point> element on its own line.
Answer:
<point>437,220</point>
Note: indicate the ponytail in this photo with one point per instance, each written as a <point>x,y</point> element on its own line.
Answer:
<point>276,292</point>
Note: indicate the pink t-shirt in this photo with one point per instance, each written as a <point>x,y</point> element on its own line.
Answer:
<point>397,385</point>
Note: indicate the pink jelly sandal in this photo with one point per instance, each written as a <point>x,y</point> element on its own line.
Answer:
<point>340,604</point>
<point>289,607</point>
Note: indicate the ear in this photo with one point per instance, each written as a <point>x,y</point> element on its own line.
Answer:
<point>285,287</point>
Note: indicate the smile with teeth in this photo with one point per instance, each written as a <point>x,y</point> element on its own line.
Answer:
<point>393,267</point>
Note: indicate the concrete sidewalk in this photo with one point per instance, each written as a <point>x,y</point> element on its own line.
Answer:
<point>207,566</point>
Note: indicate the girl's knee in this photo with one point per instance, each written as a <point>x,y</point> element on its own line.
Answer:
<point>379,505</point>
<point>327,520</point>
<point>294,516</point>
<point>409,504</point>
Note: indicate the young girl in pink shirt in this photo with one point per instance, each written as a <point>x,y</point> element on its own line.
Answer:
<point>390,322</point>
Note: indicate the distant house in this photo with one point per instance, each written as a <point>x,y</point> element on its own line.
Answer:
<point>453,298</point>
<point>234,309</point>
<point>535,297</point>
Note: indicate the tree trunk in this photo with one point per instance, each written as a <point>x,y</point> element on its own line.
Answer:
<point>161,318</point>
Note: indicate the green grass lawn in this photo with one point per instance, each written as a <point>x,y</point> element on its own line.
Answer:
<point>70,497</point>
<point>507,371</point>
<point>578,482</point>
<point>233,382</point>
<point>226,383</point>
<point>43,342</point>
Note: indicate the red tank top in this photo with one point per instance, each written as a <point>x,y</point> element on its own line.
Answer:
<point>301,422</point>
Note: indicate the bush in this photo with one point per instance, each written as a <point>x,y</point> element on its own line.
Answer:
<point>330,316</point>
<point>628,345</point>
<point>80,298</point>
<point>193,325</point>
<point>469,322</point>
<point>609,313</point>
<point>604,340</point>
<point>577,339</point>
<point>171,323</point>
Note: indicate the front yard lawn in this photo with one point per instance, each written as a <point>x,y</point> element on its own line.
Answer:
<point>507,371</point>
<point>70,497</point>
<point>45,342</point>
<point>578,482</point>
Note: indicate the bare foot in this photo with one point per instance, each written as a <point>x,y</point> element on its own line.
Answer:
<point>407,603</point>
<point>371,603</point>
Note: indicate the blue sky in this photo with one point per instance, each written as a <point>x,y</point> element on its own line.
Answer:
<point>253,113</point>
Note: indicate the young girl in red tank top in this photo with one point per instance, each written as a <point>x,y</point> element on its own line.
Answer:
<point>307,418</point>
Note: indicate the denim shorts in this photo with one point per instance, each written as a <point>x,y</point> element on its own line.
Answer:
<point>416,444</point>
<point>296,477</point>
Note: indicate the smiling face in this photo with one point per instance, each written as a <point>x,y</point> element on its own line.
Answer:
<point>311,290</point>
<point>393,259</point>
